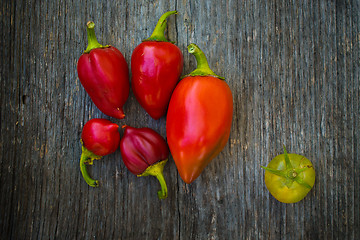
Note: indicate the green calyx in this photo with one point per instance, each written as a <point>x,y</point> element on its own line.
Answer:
<point>92,41</point>
<point>290,173</point>
<point>87,158</point>
<point>202,68</point>
<point>156,170</point>
<point>158,33</point>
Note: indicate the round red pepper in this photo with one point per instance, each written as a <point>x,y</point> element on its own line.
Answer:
<point>145,152</point>
<point>156,65</point>
<point>104,74</point>
<point>199,118</point>
<point>99,137</point>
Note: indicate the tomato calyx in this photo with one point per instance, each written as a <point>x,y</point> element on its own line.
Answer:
<point>290,173</point>
<point>202,68</point>
<point>92,41</point>
<point>158,33</point>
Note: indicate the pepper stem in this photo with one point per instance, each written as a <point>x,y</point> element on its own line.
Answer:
<point>158,33</point>
<point>156,170</point>
<point>202,68</point>
<point>87,158</point>
<point>92,41</point>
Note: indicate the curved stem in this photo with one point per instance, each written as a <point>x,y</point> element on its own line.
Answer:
<point>158,33</point>
<point>156,170</point>
<point>202,68</point>
<point>92,41</point>
<point>87,158</point>
<point>162,194</point>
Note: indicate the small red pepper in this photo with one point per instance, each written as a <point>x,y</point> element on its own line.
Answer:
<point>156,66</point>
<point>145,152</point>
<point>99,137</point>
<point>104,73</point>
<point>199,118</point>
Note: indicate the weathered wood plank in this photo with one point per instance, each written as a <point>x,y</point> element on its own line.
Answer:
<point>293,67</point>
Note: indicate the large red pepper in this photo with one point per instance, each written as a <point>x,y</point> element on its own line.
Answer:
<point>99,137</point>
<point>104,74</point>
<point>199,118</point>
<point>145,153</point>
<point>156,66</point>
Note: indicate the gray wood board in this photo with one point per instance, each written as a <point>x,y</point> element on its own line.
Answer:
<point>293,67</point>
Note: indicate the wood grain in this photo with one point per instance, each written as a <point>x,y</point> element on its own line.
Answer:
<point>293,67</point>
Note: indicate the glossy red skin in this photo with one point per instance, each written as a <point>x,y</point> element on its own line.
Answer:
<point>156,68</point>
<point>198,123</point>
<point>100,136</point>
<point>104,74</point>
<point>141,148</point>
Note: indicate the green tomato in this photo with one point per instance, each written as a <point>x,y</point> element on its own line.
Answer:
<point>289,177</point>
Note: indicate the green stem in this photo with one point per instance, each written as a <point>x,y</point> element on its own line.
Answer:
<point>162,194</point>
<point>156,170</point>
<point>202,68</point>
<point>87,158</point>
<point>291,174</point>
<point>92,41</point>
<point>158,33</point>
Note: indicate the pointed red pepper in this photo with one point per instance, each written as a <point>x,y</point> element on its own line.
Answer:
<point>104,74</point>
<point>156,66</point>
<point>99,137</point>
<point>199,118</point>
<point>145,152</point>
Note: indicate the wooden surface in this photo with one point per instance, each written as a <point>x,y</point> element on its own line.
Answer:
<point>293,67</point>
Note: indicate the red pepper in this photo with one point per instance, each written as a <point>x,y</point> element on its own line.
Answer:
<point>145,152</point>
<point>156,65</point>
<point>104,74</point>
<point>99,137</point>
<point>199,118</point>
